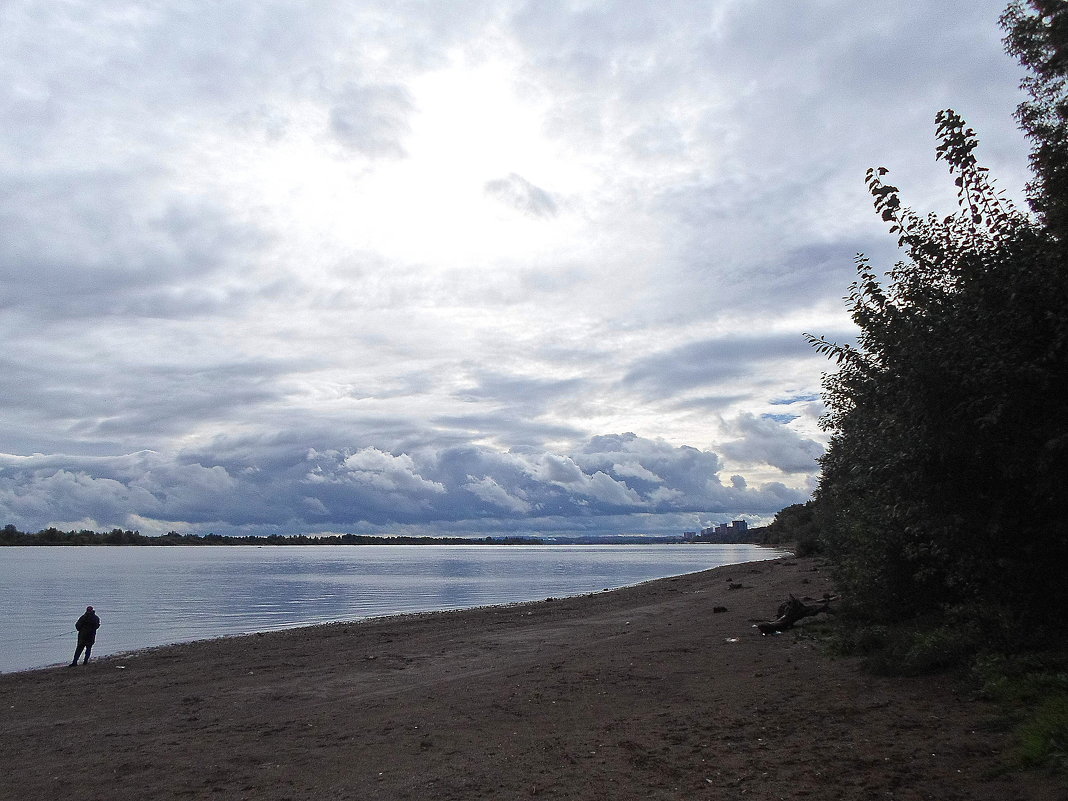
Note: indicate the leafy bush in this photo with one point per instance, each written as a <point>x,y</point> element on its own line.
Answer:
<point>918,647</point>
<point>795,525</point>
<point>1044,736</point>
<point>949,424</point>
<point>1033,691</point>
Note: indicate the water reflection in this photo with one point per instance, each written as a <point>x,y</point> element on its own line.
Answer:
<point>155,596</point>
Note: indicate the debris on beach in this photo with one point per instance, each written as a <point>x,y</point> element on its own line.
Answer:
<point>793,610</point>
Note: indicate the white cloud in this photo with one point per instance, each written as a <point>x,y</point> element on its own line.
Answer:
<point>558,469</point>
<point>344,488</point>
<point>491,492</point>
<point>635,470</point>
<point>449,249</point>
<point>372,119</point>
<point>772,442</point>
<point>519,193</point>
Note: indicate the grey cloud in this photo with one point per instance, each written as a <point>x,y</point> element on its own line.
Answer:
<point>530,393</point>
<point>85,75</point>
<point>173,398</point>
<point>711,404</point>
<point>740,265</point>
<point>780,418</point>
<point>108,490</point>
<point>770,441</point>
<point>658,139</point>
<point>348,487</point>
<point>846,54</point>
<point>779,108</point>
<point>520,194</point>
<point>510,425</point>
<point>488,490</point>
<point>522,410</point>
<point>101,243</point>
<point>115,408</point>
<point>687,469</point>
<point>712,363</point>
<point>148,300</point>
<point>372,119</point>
<point>558,469</point>
<point>367,484</point>
<point>607,46</point>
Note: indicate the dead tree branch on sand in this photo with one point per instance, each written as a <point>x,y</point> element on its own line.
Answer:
<point>793,610</point>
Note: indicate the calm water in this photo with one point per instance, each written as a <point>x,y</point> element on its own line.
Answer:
<point>154,596</point>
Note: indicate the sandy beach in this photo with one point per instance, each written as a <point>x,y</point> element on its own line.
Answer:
<point>639,693</point>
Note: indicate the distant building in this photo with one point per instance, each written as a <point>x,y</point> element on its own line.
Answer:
<point>735,531</point>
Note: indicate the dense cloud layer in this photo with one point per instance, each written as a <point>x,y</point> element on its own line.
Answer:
<point>367,489</point>
<point>268,266</point>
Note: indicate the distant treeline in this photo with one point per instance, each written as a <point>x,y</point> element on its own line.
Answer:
<point>10,535</point>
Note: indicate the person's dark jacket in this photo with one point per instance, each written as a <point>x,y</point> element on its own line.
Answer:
<point>87,625</point>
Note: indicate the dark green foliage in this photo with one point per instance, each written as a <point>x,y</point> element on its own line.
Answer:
<point>930,643</point>
<point>1038,36</point>
<point>943,481</point>
<point>9,535</point>
<point>941,501</point>
<point>1032,689</point>
<point>795,525</point>
<point>1044,736</point>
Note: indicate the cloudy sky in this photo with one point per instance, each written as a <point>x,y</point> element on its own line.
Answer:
<point>450,266</point>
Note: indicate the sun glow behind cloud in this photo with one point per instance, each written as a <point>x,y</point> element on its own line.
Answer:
<point>472,241</point>
<point>425,204</point>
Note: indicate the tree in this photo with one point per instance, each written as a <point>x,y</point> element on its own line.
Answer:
<point>795,524</point>
<point>942,481</point>
<point>1037,34</point>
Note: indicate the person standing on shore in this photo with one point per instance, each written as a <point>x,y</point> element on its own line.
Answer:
<point>87,625</point>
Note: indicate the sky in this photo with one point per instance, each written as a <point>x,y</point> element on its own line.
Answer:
<point>464,267</point>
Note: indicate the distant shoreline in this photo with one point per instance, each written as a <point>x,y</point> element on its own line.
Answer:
<point>50,537</point>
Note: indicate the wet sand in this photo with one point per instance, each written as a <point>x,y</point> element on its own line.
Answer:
<point>639,693</point>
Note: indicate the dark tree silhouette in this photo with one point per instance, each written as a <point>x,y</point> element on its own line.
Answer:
<point>943,481</point>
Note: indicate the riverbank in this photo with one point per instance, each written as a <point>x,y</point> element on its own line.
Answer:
<point>639,693</point>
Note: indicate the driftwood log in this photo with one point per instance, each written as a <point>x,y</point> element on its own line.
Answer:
<point>793,610</point>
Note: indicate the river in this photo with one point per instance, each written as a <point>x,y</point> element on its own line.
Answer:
<point>149,596</point>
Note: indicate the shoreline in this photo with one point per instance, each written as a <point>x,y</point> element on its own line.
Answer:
<point>168,596</point>
<point>635,693</point>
